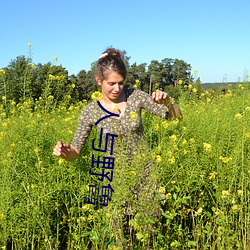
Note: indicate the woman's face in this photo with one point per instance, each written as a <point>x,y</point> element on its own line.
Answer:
<point>112,86</point>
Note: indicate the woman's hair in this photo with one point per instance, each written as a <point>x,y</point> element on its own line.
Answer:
<point>110,60</point>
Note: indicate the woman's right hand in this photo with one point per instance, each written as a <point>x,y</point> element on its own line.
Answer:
<point>66,151</point>
<point>61,149</point>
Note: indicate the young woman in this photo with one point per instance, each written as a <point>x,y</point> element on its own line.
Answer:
<point>110,74</point>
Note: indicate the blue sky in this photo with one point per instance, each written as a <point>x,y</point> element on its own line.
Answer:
<point>212,36</point>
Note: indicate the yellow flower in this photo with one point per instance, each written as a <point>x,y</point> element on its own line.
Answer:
<point>2,72</point>
<point>212,175</point>
<point>171,160</point>
<point>158,159</point>
<point>37,149</point>
<point>29,44</point>
<point>194,90</point>
<point>195,71</point>
<point>239,192</point>
<point>135,86</point>
<point>162,190</point>
<point>33,186</point>
<point>247,108</point>
<point>56,58</point>
<point>73,85</point>
<point>133,116</point>
<point>207,147</point>
<point>164,124</point>
<point>198,212</point>
<point>168,196</point>
<point>225,159</point>
<point>3,97</point>
<point>156,127</point>
<point>96,96</point>
<point>225,193</point>
<point>180,82</point>
<point>137,81</point>
<point>173,137</point>
<point>235,207</point>
<point>238,116</point>
<point>190,86</point>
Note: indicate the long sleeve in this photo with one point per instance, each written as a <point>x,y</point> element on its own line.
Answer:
<point>84,127</point>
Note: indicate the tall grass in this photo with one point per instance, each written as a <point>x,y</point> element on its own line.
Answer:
<point>201,166</point>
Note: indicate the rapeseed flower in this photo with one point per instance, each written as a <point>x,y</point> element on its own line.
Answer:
<point>133,116</point>
<point>164,124</point>
<point>207,147</point>
<point>225,193</point>
<point>2,72</point>
<point>158,159</point>
<point>225,159</point>
<point>168,196</point>
<point>96,96</point>
<point>162,190</point>
<point>238,116</point>
<point>180,82</point>
<point>212,175</point>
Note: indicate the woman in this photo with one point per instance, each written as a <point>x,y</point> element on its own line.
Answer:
<point>110,74</point>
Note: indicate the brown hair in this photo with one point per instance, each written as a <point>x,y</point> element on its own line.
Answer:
<point>110,60</point>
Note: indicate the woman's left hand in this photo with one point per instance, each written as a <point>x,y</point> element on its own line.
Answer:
<point>161,97</point>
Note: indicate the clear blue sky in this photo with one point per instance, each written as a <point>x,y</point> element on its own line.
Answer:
<point>212,36</point>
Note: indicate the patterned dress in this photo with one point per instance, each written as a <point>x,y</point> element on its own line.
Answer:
<point>128,127</point>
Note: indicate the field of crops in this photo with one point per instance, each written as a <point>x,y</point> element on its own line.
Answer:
<point>202,165</point>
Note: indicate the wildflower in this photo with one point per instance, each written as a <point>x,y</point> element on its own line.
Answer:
<point>194,90</point>
<point>198,212</point>
<point>173,137</point>
<point>238,116</point>
<point>50,97</point>
<point>29,44</point>
<point>156,127</point>
<point>184,141</point>
<point>180,82</point>
<point>162,190</point>
<point>235,207</point>
<point>207,147</point>
<point>33,186</point>
<point>37,149</point>
<point>168,196</point>
<point>171,160</point>
<point>190,86</point>
<point>195,71</point>
<point>13,103</point>
<point>212,175</point>
<point>164,124</point>
<point>191,140</point>
<point>137,81</point>
<point>158,159</point>
<point>225,159</point>
<point>225,193</point>
<point>3,97</point>
<point>2,72</point>
<point>239,192</point>
<point>135,86</point>
<point>61,161</point>
<point>247,108</point>
<point>133,173</point>
<point>96,96</point>
<point>133,116</point>
<point>2,217</point>
<point>73,85</point>
<point>56,58</point>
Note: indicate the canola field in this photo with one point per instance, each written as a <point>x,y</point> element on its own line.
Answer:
<point>201,164</point>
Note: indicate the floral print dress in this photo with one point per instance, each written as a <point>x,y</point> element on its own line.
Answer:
<point>128,127</point>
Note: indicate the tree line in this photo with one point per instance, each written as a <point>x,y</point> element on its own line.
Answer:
<point>22,79</point>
